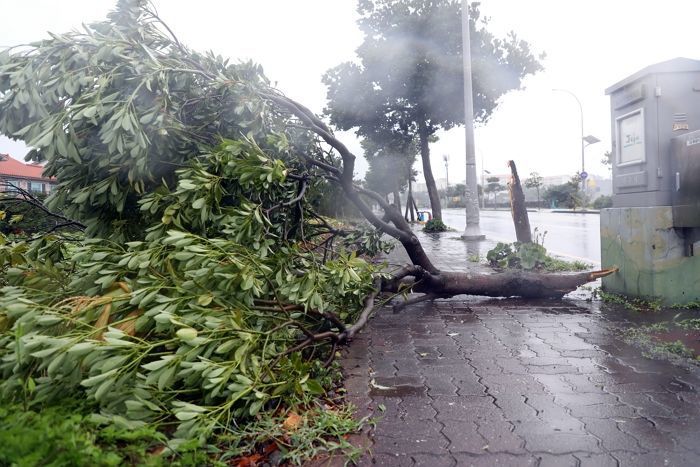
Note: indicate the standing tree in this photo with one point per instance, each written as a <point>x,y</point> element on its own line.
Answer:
<point>390,160</point>
<point>493,185</point>
<point>535,181</point>
<point>410,75</point>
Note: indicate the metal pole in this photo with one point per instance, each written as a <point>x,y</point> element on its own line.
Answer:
<point>580,109</point>
<point>471,229</point>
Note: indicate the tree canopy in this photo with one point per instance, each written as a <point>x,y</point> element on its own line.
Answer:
<point>409,74</point>
<point>205,288</point>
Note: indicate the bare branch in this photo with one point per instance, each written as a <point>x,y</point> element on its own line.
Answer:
<point>28,198</point>
<point>364,316</point>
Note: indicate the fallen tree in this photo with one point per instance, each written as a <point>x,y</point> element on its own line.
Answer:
<point>205,287</point>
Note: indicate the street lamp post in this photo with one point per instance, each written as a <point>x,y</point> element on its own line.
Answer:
<point>471,229</point>
<point>585,140</point>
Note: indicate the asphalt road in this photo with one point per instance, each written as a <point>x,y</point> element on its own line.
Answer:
<point>573,236</point>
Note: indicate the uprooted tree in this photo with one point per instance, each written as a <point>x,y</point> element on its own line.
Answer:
<point>205,288</point>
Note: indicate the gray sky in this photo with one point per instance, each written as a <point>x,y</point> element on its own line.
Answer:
<point>590,45</point>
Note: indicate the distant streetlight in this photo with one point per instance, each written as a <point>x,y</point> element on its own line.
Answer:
<point>585,140</point>
<point>446,158</point>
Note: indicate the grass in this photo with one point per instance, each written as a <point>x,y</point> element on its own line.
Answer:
<point>558,265</point>
<point>320,431</point>
<point>65,435</point>
<point>695,305</point>
<point>650,339</point>
<point>634,304</point>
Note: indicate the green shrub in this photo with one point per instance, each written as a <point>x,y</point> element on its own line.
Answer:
<point>435,226</point>
<point>529,256</point>
<point>603,202</point>
<point>62,435</point>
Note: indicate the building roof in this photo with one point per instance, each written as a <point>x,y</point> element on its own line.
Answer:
<point>675,65</point>
<point>10,167</point>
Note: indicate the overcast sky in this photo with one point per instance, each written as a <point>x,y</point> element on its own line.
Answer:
<point>590,45</point>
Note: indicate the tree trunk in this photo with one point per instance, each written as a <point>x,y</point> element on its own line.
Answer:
<point>503,284</point>
<point>424,135</point>
<point>427,278</point>
<point>397,199</point>
<point>523,234</point>
<point>410,204</point>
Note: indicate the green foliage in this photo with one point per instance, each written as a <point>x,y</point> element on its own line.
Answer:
<point>435,226</point>
<point>603,202</point>
<point>391,157</point>
<point>534,181</point>
<point>411,70</point>
<point>558,265</point>
<point>408,80</point>
<point>657,341</point>
<point>529,256</point>
<point>565,195</point>
<point>493,186</point>
<point>320,431</point>
<point>631,303</point>
<point>189,302</point>
<point>64,436</point>
<point>694,305</point>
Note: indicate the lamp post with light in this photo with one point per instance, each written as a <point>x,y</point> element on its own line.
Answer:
<point>585,140</point>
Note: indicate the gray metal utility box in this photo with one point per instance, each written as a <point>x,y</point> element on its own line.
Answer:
<point>685,168</point>
<point>649,109</point>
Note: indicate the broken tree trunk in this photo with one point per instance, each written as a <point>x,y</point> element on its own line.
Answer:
<point>523,234</point>
<point>427,278</point>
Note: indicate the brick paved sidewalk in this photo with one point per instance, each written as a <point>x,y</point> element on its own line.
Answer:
<point>517,382</point>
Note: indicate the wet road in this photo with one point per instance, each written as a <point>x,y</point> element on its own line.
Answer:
<point>574,236</point>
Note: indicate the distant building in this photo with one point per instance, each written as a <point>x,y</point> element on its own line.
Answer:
<point>29,177</point>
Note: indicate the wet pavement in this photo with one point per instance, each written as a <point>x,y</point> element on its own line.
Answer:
<point>473,381</point>
<point>562,228</point>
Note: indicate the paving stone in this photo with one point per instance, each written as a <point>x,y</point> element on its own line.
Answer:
<point>491,460</point>
<point>595,460</point>
<point>655,459</point>
<point>511,384</point>
<point>517,382</point>
<point>433,460</point>
<point>380,459</point>
<point>417,409</point>
<point>500,437</point>
<point>562,443</point>
<point>458,408</point>
<point>611,438</point>
<point>383,368</point>
<point>584,399</point>
<point>515,409</point>
<point>607,411</point>
<point>464,437</point>
<point>549,460</point>
<point>645,405</point>
<point>647,434</point>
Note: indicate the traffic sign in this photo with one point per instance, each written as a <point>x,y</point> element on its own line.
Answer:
<point>584,175</point>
